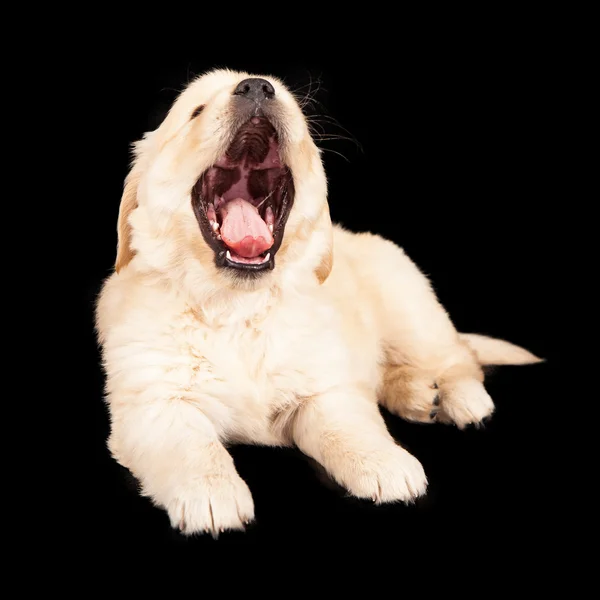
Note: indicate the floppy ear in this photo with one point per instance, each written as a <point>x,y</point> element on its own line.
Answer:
<point>324,226</point>
<point>128,203</point>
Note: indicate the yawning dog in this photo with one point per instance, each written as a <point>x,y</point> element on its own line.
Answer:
<point>238,313</point>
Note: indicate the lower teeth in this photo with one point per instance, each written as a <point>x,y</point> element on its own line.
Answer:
<point>264,260</point>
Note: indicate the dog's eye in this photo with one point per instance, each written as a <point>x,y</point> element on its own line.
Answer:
<point>197,111</point>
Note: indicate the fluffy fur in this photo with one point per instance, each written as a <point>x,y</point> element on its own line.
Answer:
<point>196,358</point>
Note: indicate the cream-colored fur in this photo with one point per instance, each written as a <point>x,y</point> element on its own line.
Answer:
<point>196,359</point>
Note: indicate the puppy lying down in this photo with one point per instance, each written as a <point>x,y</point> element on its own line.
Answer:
<point>239,314</point>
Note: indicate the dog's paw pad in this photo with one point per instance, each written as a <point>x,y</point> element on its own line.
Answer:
<point>412,394</point>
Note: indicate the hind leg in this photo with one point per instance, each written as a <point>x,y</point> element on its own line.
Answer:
<point>430,373</point>
<point>429,395</point>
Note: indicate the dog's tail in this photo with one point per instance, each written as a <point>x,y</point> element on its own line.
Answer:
<point>492,351</point>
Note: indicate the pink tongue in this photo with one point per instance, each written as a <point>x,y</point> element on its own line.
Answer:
<point>243,229</point>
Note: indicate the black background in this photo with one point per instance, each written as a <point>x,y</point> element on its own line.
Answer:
<point>456,161</point>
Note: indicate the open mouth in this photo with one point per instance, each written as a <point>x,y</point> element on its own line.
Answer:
<point>242,202</point>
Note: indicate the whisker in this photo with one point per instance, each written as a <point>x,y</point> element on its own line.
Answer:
<point>333,136</point>
<point>309,97</point>
<point>335,152</point>
<point>306,96</point>
<point>265,199</point>
<point>350,137</point>
<point>312,129</point>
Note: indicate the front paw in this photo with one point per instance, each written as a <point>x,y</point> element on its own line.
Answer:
<point>383,476</point>
<point>211,504</point>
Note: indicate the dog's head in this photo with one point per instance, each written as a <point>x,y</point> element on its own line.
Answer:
<point>230,186</point>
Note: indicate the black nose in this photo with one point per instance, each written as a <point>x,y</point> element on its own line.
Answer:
<point>254,89</point>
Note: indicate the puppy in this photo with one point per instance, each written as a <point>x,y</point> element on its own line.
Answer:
<point>238,314</point>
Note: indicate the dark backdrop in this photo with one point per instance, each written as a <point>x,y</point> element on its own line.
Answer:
<point>453,160</point>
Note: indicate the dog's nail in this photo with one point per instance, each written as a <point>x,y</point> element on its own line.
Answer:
<point>433,414</point>
<point>436,400</point>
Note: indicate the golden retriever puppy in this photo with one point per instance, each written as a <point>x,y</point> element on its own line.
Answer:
<point>238,314</point>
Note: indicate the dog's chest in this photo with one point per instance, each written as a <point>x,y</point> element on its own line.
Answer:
<point>249,370</point>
